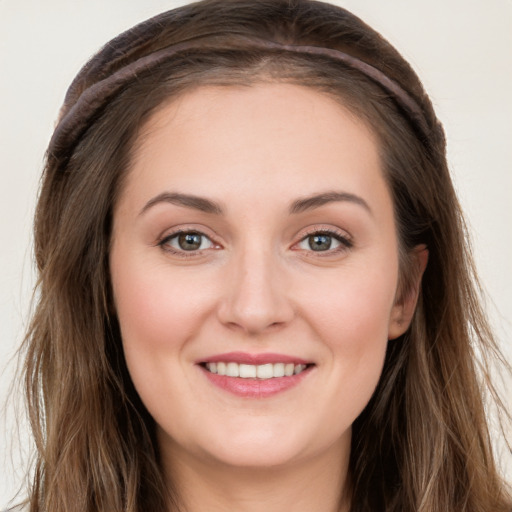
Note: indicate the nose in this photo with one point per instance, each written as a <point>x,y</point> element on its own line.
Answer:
<point>256,297</point>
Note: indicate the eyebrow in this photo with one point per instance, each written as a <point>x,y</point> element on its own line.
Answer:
<point>317,200</point>
<point>189,201</point>
<point>298,206</point>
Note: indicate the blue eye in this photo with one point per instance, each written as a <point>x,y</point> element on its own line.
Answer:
<point>323,242</point>
<point>187,241</point>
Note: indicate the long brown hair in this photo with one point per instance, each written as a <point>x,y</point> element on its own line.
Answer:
<point>422,444</point>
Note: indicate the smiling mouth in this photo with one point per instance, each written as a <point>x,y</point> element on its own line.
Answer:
<point>255,376</point>
<point>250,371</point>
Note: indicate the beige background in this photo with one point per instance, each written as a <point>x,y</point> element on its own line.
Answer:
<point>462,49</point>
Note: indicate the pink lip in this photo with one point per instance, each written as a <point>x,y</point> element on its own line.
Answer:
<point>245,358</point>
<point>255,388</point>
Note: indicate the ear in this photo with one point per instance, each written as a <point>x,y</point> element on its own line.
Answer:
<point>405,305</point>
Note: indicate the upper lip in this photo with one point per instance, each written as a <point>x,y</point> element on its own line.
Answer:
<point>254,359</point>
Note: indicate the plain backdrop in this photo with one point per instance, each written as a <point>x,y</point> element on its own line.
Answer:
<point>462,49</point>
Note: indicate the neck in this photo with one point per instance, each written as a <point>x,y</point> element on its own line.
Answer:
<point>318,483</point>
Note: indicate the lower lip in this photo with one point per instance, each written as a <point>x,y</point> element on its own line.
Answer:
<point>255,388</point>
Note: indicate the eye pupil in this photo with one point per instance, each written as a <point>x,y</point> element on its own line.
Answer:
<point>320,242</point>
<point>189,241</point>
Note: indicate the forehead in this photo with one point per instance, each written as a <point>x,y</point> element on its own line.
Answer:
<point>261,132</point>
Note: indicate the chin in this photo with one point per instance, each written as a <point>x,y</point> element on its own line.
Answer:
<point>258,444</point>
<point>258,451</point>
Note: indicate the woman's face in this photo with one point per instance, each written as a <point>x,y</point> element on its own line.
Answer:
<point>255,236</point>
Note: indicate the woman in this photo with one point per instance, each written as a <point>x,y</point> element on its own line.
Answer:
<point>255,291</point>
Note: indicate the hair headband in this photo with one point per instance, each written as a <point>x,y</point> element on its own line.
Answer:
<point>75,121</point>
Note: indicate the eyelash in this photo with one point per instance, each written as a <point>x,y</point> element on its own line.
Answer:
<point>340,236</point>
<point>344,241</point>
<point>163,243</point>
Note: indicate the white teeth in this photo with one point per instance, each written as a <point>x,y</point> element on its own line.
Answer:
<point>288,369</point>
<point>232,370</point>
<point>298,368</point>
<point>265,371</point>
<point>278,370</point>
<point>247,371</point>
<point>221,368</point>
<point>251,371</point>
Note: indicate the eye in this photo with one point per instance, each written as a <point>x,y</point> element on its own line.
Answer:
<point>187,241</point>
<point>324,241</point>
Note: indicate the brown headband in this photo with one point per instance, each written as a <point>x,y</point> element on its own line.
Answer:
<point>76,120</point>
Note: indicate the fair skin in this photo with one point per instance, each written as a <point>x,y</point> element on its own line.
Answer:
<point>260,273</point>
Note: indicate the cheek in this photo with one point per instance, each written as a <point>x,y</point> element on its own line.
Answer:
<point>354,308</point>
<point>158,314</point>
<point>352,319</point>
<point>153,307</point>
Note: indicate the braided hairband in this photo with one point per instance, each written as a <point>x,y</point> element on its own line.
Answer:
<point>75,121</point>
